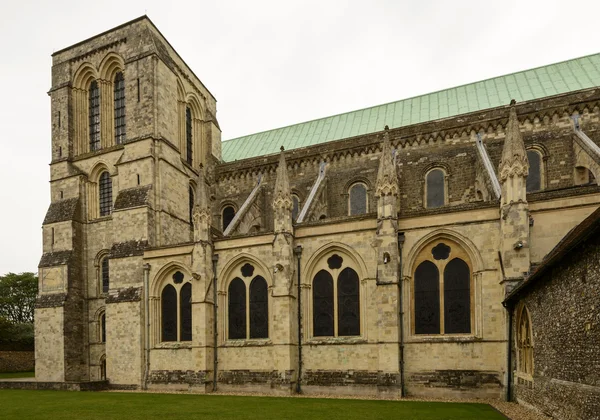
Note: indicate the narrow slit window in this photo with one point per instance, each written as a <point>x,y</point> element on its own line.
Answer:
<point>105,275</point>
<point>105,194</point>
<point>94,116</point>
<point>188,135</point>
<point>119,95</point>
<point>191,206</point>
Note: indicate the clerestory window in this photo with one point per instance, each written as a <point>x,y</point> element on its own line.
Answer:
<point>119,108</point>
<point>105,194</point>
<point>357,199</point>
<point>94,116</point>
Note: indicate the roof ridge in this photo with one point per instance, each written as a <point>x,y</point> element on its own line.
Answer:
<point>415,96</point>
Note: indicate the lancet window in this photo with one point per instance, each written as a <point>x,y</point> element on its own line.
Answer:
<point>357,199</point>
<point>119,108</point>
<point>435,186</point>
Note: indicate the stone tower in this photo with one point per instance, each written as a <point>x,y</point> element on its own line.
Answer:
<point>514,210</point>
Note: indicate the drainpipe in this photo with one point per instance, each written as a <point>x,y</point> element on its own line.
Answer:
<point>147,324</point>
<point>401,309</point>
<point>215,258</point>
<point>298,253</point>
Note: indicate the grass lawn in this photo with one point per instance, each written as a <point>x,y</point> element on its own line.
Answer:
<point>10,375</point>
<point>19,404</point>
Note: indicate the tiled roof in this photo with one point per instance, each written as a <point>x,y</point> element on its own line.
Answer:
<point>541,82</point>
<point>589,226</point>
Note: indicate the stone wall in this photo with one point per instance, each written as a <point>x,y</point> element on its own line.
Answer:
<point>565,318</point>
<point>17,361</point>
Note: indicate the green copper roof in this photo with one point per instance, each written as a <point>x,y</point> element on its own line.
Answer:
<point>554,79</point>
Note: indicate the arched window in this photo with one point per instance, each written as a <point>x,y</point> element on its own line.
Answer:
<point>357,200</point>
<point>105,194</point>
<point>119,109</point>
<point>191,205</point>
<point>176,309</point>
<point>336,305</point>
<point>436,188</point>
<point>228,215</point>
<point>103,368</point>
<point>105,274</point>
<point>259,308</point>
<point>524,338</point>
<point>237,309</point>
<point>188,135</point>
<point>348,306</point>
<point>323,304</point>
<point>103,327</point>
<point>94,115</point>
<point>295,207</point>
<point>452,291</point>
<point>534,178</point>
<point>168,300</point>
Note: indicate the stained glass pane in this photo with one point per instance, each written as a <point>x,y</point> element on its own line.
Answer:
<point>348,303</point>
<point>188,135</point>
<point>358,199</point>
<point>534,177</point>
<point>94,116</point>
<point>105,194</point>
<point>435,189</point>
<point>427,299</point>
<point>228,215</point>
<point>237,309</point>
<point>323,304</point>
<point>185,312</point>
<point>105,276</point>
<point>259,308</point>
<point>168,301</point>
<point>119,108</point>
<point>457,297</point>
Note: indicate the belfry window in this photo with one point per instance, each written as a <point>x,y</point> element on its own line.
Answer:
<point>357,200</point>
<point>336,304</point>
<point>442,291</point>
<point>248,313</point>
<point>94,116</point>
<point>534,178</point>
<point>436,188</point>
<point>105,194</point>
<point>119,94</point>
<point>176,309</point>
<point>188,135</point>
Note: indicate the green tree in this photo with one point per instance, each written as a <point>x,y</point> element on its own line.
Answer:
<point>17,297</point>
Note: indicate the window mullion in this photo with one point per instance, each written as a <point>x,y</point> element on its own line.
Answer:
<point>247,310</point>
<point>441,267</point>
<point>335,305</point>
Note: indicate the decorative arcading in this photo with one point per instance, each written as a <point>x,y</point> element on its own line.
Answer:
<point>387,178</point>
<point>514,156</point>
<point>282,197</point>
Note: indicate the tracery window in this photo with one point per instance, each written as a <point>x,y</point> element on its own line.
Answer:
<point>534,178</point>
<point>228,215</point>
<point>105,194</point>
<point>442,303</point>
<point>357,199</point>
<point>248,306</point>
<point>105,274</point>
<point>119,108</point>
<point>336,304</point>
<point>524,338</point>
<point>176,309</point>
<point>94,116</point>
<point>435,186</point>
<point>188,135</point>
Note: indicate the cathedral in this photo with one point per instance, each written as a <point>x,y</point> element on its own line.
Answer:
<point>376,252</point>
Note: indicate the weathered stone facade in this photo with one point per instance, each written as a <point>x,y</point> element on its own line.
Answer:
<point>561,298</point>
<point>141,293</point>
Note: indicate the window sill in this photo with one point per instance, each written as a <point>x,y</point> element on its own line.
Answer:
<point>317,341</point>
<point>174,345</point>
<point>462,338</point>
<point>252,342</point>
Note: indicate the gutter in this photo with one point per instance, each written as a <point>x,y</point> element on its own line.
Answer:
<point>401,314</point>
<point>146,325</point>
<point>298,252</point>
<point>215,258</point>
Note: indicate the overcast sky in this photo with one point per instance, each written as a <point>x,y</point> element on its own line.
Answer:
<point>269,64</point>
